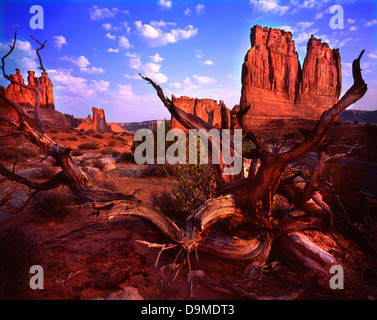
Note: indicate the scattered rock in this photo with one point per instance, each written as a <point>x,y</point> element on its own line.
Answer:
<point>127,293</point>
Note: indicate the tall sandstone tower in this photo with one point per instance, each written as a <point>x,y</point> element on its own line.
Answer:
<point>275,86</point>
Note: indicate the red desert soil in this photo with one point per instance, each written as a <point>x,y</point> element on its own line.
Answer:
<point>104,257</point>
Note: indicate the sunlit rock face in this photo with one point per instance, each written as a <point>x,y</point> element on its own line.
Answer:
<point>275,85</point>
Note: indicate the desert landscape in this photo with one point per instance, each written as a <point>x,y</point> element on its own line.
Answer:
<point>74,200</point>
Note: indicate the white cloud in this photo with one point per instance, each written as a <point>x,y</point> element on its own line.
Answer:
<point>92,70</point>
<point>83,63</point>
<point>199,9</point>
<point>110,36</point>
<point>304,25</point>
<point>176,85</point>
<point>156,58</point>
<point>353,28</point>
<point>208,62</point>
<point>371,23</point>
<point>269,6</point>
<point>204,79</point>
<point>80,61</point>
<point>97,13</point>
<point>113,50</point>
<point>351,21</point>
<point>318,15</point>
<point>135,63</point>
<point>149,69</point>
<point>59,41</point>
<point>101,85</point>
<point>131,55</point>
<point>124,43</point>
<point>164,4</point>
<point>188,12</point>
<point>106,26</point>
<point>155,33</point>
<point>372,55</point>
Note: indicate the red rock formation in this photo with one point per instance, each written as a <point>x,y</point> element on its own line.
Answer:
<point>209,110</point>
<point>97,122</point>
<point>26,98</point>
<point>273,83</point>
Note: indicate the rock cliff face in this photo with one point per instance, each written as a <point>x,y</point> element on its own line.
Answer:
<point>97,122</point>
<point>273,83</point>
<point>209,110</point>
<point>26,98</point>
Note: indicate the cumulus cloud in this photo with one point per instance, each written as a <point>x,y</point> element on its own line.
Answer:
<point>160,33</point>
<point>203,79</point>
<point>371,23</point>
<point>106,26</point>
<point>83,63</point>
<point>269,6</point>
<point>188,12</point>
<point>124,43</point>
<point>110,36</point>
<point>156,58</point>
<point>199,9</point>
<point>97,13</point>
<point>149,69</point>
<point>113,50</point>
<point>164,4</point>
<point>208,62</point>
<point>59,41</point>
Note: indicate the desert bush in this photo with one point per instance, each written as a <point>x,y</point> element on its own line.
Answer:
<point>126,157</point>
<point>107,151</point>
<point>72,138</point>
<point>77,153</point>
<point>47,172</point>
<point>112,143</point>
<point>52,204</point>
<point>98,136</point>
<point>192,186</point>
<point>18,252</point>
<point>107,184</point>
<point>91,131</point>
<point>89,146</point>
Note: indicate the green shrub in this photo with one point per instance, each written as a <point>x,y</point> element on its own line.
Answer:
<point>113,143</point>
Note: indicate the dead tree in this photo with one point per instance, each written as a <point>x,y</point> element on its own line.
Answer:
<point>249,198</point>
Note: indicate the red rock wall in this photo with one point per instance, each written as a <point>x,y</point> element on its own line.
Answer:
<point>273,83</point>
<point>207,109</point>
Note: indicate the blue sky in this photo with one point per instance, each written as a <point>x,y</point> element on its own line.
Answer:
<point>95,50</point>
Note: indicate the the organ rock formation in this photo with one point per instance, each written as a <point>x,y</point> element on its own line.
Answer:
<point>275,85</point>
<point>209,110</point>
<point>26,98</point>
